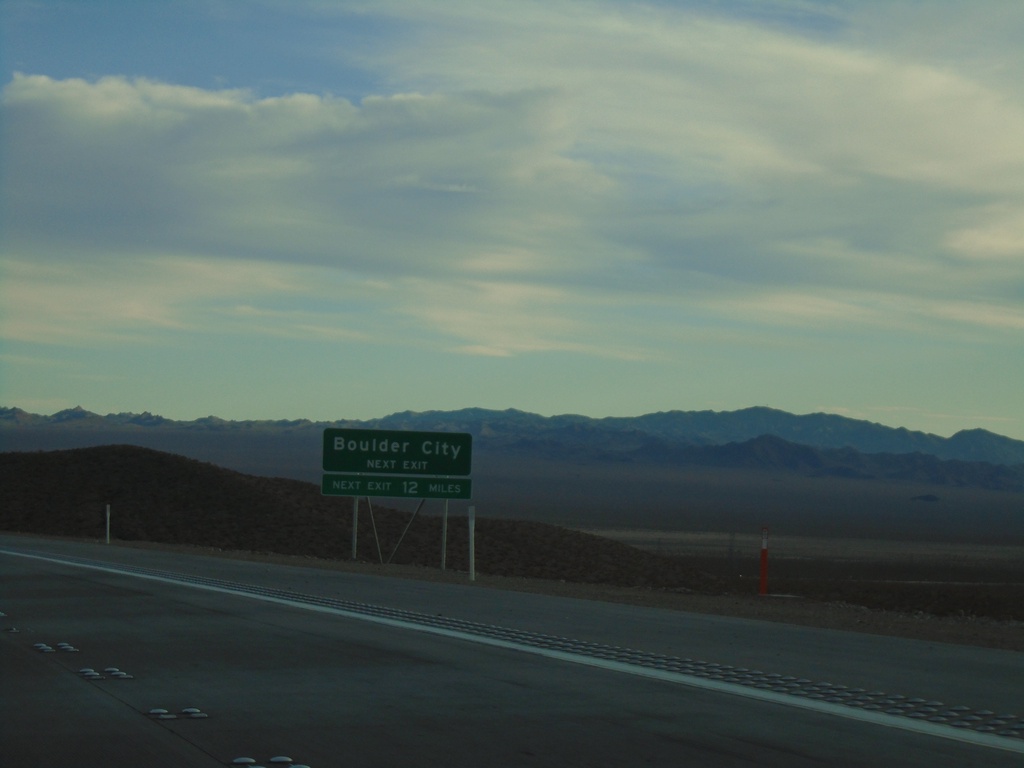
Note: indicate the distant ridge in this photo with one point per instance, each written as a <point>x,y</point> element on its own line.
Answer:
<point>510,429</point>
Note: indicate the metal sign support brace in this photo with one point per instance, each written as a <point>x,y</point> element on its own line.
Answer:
<point>407,525</point>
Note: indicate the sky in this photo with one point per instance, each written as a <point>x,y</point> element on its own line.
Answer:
<point>284,209</point>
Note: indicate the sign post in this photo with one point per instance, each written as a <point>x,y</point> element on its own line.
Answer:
<point>399,464</point>
<point>763,589</point>
<point>355,525</point>
<point>444,535</point>
<point>472,544</point>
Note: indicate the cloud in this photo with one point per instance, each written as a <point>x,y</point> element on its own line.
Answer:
<point>997,233</point>
<point>592,178</point>
<point>145,166</point>
<point>495,318</point>
<point>752,147</point>
<point>116,300</point>
<point>724,95</point>
<point>161,198</point>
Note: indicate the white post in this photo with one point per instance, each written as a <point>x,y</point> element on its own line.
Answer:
<point>108,523</point>
<point>444,535</point>
<point>763,588</point>
<point>355,524</point>
<point>472,543</point>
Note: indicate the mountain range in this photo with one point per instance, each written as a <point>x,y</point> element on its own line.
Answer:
<point>819,474</point>
<point>653,433</point>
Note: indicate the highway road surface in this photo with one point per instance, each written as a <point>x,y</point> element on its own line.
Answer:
<point>112,656</point>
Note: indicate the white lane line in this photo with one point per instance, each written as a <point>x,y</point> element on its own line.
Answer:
<point>851,713</point>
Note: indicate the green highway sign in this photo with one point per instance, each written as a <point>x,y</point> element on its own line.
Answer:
<point>397,487</point>
<point>397,452</point>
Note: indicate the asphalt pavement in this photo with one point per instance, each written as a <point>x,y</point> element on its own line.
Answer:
<point>201,661</point>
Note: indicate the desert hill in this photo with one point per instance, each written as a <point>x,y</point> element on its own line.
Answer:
<point>171,499</point>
